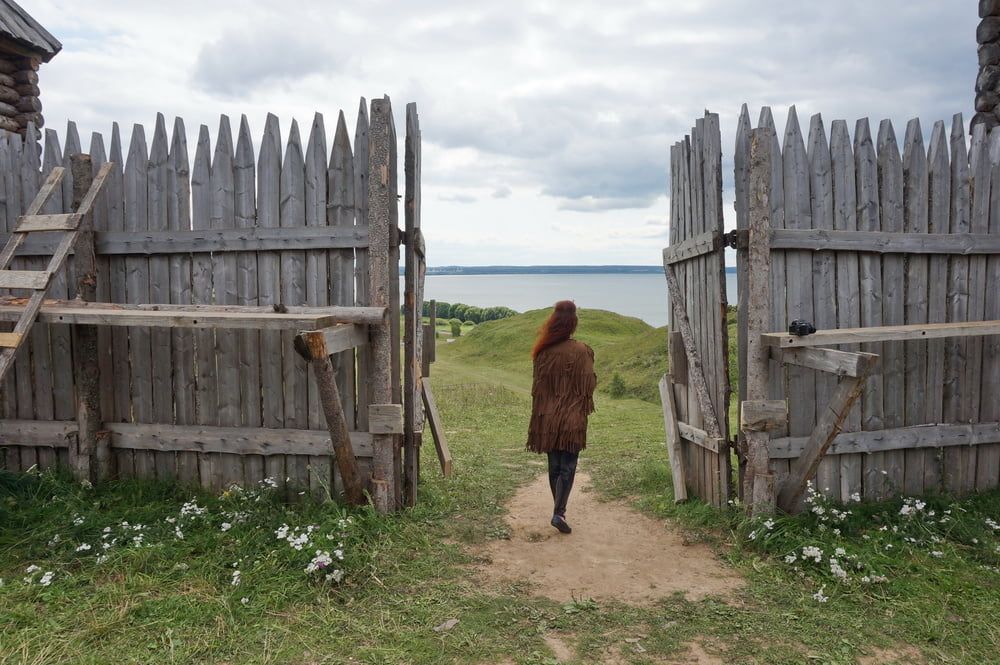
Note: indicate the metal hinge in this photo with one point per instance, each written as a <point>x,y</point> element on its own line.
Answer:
<point>737,239</point>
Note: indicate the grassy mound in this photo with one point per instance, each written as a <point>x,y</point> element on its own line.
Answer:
<point>625,346</point>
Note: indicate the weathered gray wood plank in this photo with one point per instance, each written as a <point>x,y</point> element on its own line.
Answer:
<point>988,458</point>
<point>848,277</point>
<point>182,341</point>
<point>124,460</point>
<point>824,278</point>
<point>979,185</point>
<point>956,400</point>
<point>157,174</point>
<point>889,243</point>
<point>340,217</point>
<point>137,291</point>
<point>362,296</point>
<point>939,213</point>
<point>741,159</point>
<point>673,440</point>
<point>269,287</point>
<point>925,437</point>
<point>293,292</point>
<point>890,189</point>
<point>317,292</point>
<point>915,202</point>
<point>245,214</point>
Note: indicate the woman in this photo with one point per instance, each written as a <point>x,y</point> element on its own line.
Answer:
<point>562,395</point>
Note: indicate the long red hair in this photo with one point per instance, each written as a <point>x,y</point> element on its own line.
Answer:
<point>560,325</point>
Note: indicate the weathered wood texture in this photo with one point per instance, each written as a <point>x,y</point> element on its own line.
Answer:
<point>211,256</point>
<point>903,243</point>
<point>695,267</point>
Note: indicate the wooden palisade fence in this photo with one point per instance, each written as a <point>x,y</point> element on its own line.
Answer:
<point>219,281</point>
<point>893,253</point>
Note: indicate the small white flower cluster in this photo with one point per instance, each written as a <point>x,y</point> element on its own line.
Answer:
<point>78,519</point>
<point>269,483</point>
<point>837,570</point>
<point>296,537</point>
<point>819,597</point>
<point>44,580</point>
<point>192,509</point>
<point>992,524</point>
<point>911,507</point>
<point>236,578</point>
<point>812,552</point>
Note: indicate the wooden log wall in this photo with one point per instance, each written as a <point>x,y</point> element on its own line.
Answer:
<point>946,187</point>
<point>19,94</point>
<point>284,225</point>
<point>696,210</point>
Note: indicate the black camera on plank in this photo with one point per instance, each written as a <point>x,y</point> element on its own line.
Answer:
<point>801,328</point>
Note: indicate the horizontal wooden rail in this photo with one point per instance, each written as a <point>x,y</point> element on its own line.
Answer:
<point>919,436</point>
<point>705,243</point>
<point>841,363</point>
<point>194,316</point>
<point>885,243</point>
<point>699,437</point>
<point>251,239</point>
<point>184,438</point>
<point>882,334</point>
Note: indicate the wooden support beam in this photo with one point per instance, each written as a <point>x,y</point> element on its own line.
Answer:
<point>881,242</point>
<point>427,331</point>
<point>758,489</point>
<point>882,334</point>
<point>313,348</point>
<point>827,427</point>
<point>706,243</point>
<point>437,428</point>
<point>763,415</point>
<point>90,458</point>
<point>382,234</point>
<point>841,363</point>
<point>673,438</point>
<point>230,440</point>
<point>194,316</point>
<point>339,338</point>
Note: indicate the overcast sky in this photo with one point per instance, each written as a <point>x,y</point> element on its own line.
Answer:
<point>546,125</point>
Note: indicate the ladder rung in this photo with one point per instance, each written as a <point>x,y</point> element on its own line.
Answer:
<point>24,279</point>
<point>10,339</point>
<point>62,222</point>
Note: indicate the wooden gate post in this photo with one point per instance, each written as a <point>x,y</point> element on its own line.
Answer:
<point>381,213</point>
<point>759,489</point>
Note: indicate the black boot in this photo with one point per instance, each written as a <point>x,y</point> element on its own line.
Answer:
<point>559,522</point>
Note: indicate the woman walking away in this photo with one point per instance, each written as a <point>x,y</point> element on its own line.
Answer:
<point>562,396</point>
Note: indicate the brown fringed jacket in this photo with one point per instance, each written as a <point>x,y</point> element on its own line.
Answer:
<point>562,396</point>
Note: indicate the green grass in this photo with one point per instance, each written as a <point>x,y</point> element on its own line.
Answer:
<point>173,602</point>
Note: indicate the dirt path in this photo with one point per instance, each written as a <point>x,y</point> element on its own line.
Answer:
<point>614,553</point>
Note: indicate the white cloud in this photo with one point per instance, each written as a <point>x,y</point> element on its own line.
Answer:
<point>540,112</point>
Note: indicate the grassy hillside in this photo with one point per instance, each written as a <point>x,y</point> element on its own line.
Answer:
<point>634,350</point>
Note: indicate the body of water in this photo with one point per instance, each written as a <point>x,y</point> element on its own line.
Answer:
<point>643,296</point>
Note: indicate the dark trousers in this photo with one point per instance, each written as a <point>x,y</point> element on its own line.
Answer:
<point>562,470</point>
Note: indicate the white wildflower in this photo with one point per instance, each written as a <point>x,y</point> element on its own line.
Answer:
<point>856,497</point>
<point>32,569</point>
<point>819,597</point>
<point>769,524</point>
<point>101,558</point>
<point>936,554</point>
<point>840,551</point>
<point>319,562</point>
<point>84,547</point>
<point>170,520</point>
<point>78,520</point>
<point>236,578</point>
<point>55,540</point>
<point>812,552</point>
<point>866,580</point>
<point>335,576</point>
<point>791,558</point>
<point>178,533</point>
<point>244,600</point>
<point>46,579</point>
<point>226,526</point>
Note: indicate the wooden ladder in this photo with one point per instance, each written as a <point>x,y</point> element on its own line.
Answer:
<point>68,224</point>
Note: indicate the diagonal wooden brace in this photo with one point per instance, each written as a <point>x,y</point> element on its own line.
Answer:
<point>827,428</point>
<point>696,376</point>
<point>312,347</point>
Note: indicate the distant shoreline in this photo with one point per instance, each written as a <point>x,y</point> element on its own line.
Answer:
<point>547,270</point>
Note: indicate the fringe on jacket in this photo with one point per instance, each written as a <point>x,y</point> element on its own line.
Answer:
<point>562,396</point>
